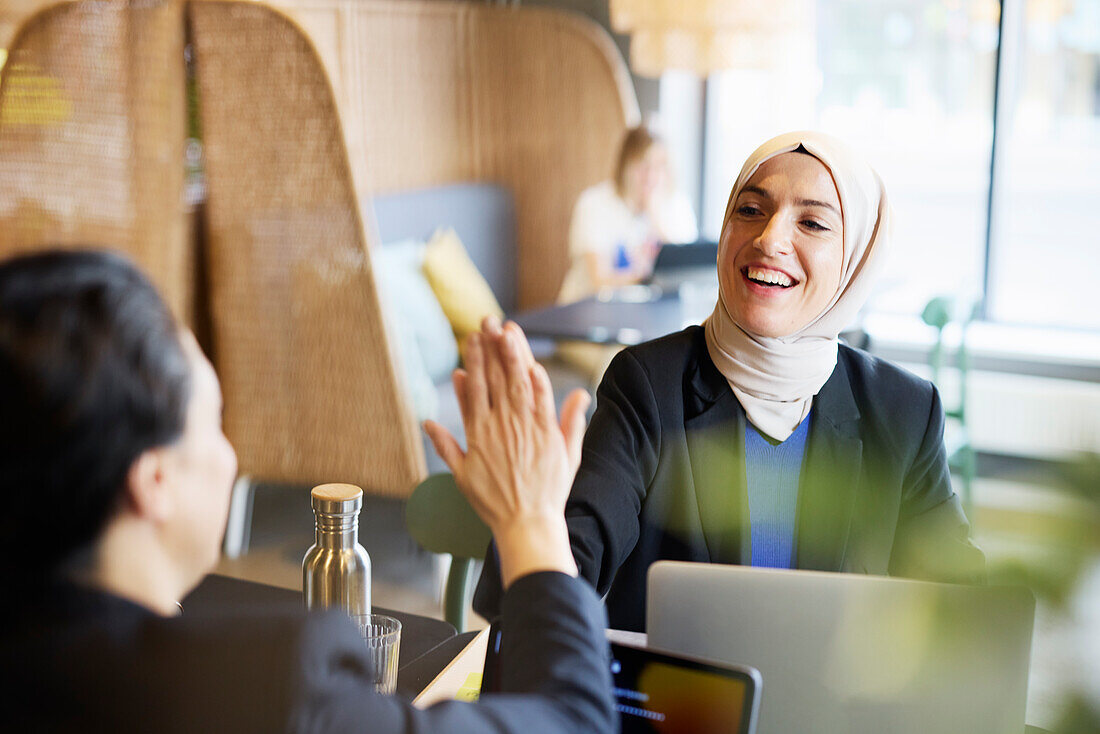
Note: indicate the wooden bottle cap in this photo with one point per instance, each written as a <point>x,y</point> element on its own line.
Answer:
<point>336,498</point>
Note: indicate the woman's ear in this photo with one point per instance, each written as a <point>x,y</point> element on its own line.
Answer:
<point>147,491</point>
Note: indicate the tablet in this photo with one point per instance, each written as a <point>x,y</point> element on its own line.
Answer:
<point>671,694</point>
<point>658,692</point>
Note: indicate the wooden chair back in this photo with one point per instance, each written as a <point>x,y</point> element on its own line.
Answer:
<point>311,388</point>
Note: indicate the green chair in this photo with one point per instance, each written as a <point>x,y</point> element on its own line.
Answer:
<point>940,312</point>
<point>441,520</point>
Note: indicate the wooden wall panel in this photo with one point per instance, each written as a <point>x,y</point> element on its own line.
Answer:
<point>443,92</point>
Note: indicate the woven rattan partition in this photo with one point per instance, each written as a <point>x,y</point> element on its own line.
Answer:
<point>311,390</point>
<point>92,125</point>
<point>440,92</point>
<point>92,129</point>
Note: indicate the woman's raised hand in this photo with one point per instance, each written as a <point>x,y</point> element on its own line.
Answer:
<point>520,461</point>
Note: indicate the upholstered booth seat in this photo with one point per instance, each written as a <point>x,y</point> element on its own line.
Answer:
<point>483,217</point>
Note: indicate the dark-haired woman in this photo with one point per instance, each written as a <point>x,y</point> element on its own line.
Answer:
<point>115,478</point>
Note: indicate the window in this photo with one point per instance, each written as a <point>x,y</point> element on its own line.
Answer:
<point>912,84</point>
<point>1045,249</point>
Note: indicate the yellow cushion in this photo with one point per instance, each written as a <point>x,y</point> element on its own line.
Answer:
<point>458,285</point>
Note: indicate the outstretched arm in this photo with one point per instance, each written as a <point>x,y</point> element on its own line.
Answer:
<point>516,473</point>
<point>619,459</point>
<point>520,463</point>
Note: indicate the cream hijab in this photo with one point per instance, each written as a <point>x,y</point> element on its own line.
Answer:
<point>776,379</point>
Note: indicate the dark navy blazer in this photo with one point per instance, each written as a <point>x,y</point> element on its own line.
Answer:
<point>662,476</point>
<point>78,660</point>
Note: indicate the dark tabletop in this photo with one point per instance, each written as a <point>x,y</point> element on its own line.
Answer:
<point>427,645</point>
<point>413,677</point>
<point>625,319</point>
<point>631,316</point>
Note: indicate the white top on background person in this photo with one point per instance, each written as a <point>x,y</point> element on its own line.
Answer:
<point>619,225</point>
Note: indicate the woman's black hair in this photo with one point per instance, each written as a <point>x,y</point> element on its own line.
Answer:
<point>92,374</point>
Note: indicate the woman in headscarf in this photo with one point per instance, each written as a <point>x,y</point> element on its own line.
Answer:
<point>759,439</point>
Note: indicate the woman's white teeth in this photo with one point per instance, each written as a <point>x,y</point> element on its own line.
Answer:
<point>770,277</point>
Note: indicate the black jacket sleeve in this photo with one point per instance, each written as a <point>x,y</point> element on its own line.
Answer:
<point>933,536</point>
<point>619,458</point>
<point>554,673</point>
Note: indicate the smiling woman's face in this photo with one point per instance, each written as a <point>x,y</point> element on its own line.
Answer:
<point>782,248</point>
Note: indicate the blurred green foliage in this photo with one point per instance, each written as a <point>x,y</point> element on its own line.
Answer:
<point>1055,577</point>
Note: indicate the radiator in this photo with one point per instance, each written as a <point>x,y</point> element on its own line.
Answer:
<point>1028,416</point>
<point>1033,416</point>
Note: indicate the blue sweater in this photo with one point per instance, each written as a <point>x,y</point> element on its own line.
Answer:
<point>772,473</point>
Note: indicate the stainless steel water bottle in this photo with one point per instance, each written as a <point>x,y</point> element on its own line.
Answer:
<point>336,569</point>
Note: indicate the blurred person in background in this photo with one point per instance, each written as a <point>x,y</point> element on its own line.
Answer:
<point>757,438</point>
<point>116,476</point>
<point>619,225</point>
<point>618,228</point>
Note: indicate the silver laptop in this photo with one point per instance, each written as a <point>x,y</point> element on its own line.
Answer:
<point>851,654</point>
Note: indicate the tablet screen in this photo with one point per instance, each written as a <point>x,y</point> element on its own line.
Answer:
<point>664,693</point>
<point>667,694</point>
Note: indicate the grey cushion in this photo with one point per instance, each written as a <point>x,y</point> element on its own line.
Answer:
<point>410,302</point>
<point>483,216</point>
<point>448,415</point>
<point>425,344</point>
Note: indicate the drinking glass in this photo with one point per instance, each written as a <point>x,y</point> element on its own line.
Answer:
<point>382,637</point>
